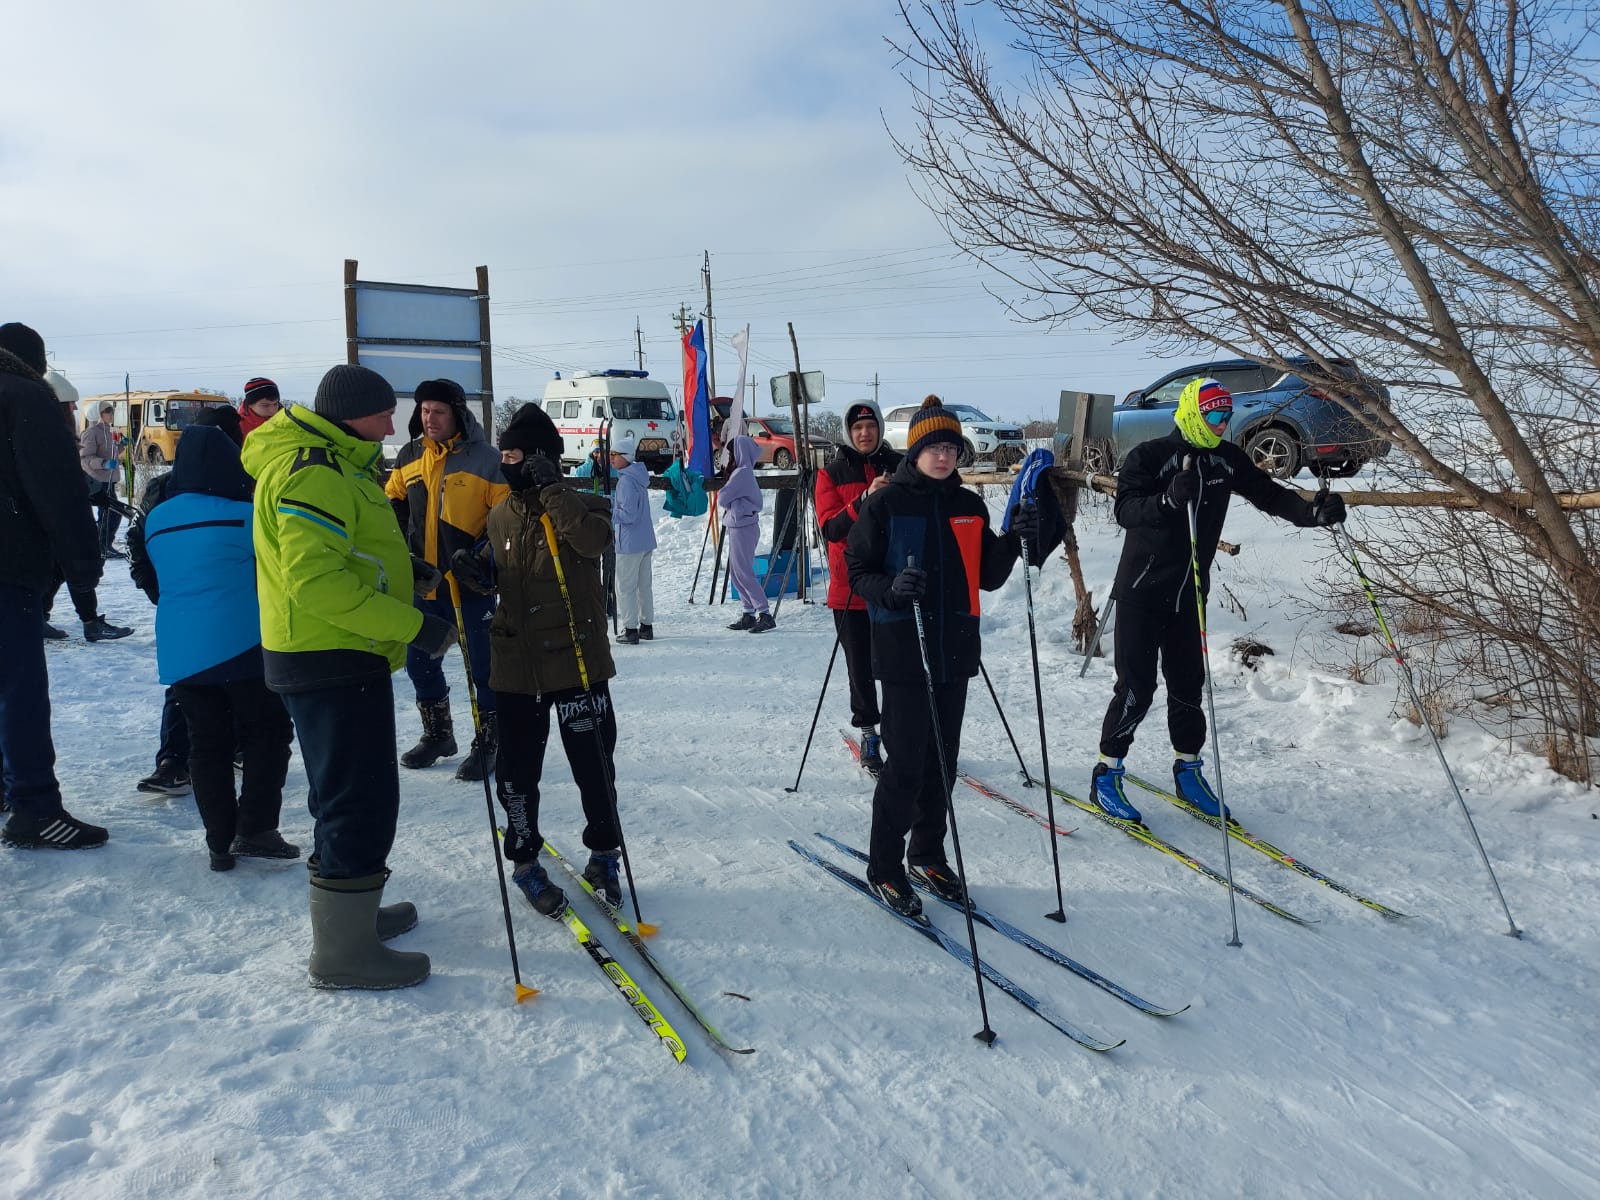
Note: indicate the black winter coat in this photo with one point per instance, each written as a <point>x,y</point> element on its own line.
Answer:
<point>946,529</point>
<point>1155,570</point>
<point>45,517</point>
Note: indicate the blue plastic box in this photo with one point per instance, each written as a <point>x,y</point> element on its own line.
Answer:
<point>782,566</point>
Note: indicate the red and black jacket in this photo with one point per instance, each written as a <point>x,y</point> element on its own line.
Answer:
<point>840,487</point>
<point>945,528</point>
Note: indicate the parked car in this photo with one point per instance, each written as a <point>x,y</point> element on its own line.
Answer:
<point>1282,422</point>
<point>775,437</point>
<point>981,435</point>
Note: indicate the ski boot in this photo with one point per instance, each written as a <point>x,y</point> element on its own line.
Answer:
<point>939,879</point>
<point>897,894</point>
<point>546,897</point>
<point>1193,786</point>
<point>1105,789</point>
<point>602,876</point>
<point>871,751</point>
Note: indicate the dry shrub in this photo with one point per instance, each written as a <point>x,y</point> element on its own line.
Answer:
<point>1357,629</point>
<point>1248,652</point>
<point>1420,620</point>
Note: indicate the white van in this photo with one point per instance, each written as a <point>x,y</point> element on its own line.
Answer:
<point>632,402</point>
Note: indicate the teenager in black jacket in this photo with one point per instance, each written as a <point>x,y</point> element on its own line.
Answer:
<point>927,516</point>
<point>1157,617</point>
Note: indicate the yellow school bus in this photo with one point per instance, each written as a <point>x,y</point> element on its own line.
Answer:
<point>152,422</point>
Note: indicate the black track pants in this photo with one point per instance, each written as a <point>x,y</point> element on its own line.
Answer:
<point>1143,637</point>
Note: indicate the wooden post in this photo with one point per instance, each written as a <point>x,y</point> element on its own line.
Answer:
<point>352,353</point>
<point>485,348</point>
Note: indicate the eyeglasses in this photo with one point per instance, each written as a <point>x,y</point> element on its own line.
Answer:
<point>1218,417</point>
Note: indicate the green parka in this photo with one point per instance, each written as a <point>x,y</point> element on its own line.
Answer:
<point>332,569</point>
<point>530,638</point>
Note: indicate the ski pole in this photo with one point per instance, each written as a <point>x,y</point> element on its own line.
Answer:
<point>704,541</point>
<point>1060,913</point>
<point>644,927</point>
<point>1211,708</point>
<point>1099,632</point>
<point>522,992</point>
<point>1348,548</point>
<point>804,754</point>
<point>986,1035</point>
<point>1027,776</point>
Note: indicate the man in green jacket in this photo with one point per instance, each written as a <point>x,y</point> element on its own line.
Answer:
<point>335,584</point>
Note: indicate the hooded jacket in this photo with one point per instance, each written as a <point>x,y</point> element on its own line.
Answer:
<point>97,445</point>
<point>841,488</point>
<point>630,510</point>
<point>945,528</point>
<point>332,571</point>
<point>45,517</point>
<point>199,544</point>
<point>740,498</point>
<point>531,646</point>
<point>442,491</point>
<point>1155,570</point>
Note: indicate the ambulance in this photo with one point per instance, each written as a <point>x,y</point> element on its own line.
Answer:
<point>622,402</point>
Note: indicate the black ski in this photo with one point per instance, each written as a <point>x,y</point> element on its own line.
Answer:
<point>938,936</point>
<point>1004,927</point>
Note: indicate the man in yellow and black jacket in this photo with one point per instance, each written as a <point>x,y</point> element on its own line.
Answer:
<point>442,487</point>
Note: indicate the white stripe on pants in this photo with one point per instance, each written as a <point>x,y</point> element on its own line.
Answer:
<point>635,600</point>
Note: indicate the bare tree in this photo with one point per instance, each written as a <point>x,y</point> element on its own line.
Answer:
<point>1409,185</point>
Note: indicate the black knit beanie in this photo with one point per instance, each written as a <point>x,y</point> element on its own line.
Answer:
<point>348,391</point>
<point>24,343</point>
<point>533,432</point>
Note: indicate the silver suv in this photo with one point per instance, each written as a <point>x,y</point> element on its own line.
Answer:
<point>981,435</point>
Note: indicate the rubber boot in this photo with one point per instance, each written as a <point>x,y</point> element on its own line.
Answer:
<point>393,919</point>
<point>479,761</point>
<point>345,950</point>
<point>438,735</point>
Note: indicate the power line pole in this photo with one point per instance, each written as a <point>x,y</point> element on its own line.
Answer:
<point>874,387</point>
<point>681,319</point>
<point>638,341</point>
<point>752,394</point>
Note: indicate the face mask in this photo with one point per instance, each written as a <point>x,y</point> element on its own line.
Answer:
<point>516,475</point>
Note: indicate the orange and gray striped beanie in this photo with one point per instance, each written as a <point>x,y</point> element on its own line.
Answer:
<point>933,423</point>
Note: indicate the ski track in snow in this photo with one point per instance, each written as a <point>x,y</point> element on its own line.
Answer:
<point>163,1041</point>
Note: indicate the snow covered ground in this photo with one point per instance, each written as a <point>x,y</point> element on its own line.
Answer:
<point>162,1040</point>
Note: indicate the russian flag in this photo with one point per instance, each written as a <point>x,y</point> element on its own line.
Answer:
<point>697,400</point>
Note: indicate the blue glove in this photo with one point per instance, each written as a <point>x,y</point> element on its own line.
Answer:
<point>111,464</point>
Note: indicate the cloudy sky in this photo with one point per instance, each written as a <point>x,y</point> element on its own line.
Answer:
<point>180,184</point>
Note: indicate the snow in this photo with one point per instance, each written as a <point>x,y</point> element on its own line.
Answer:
<point>163,1041</point>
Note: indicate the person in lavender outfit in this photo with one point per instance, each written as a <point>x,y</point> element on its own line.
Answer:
<point>740,501</point>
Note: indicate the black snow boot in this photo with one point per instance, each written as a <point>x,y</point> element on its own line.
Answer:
<point>763,623</point>
<point>438,735</point>
<point>62,832</point>
<point>647,633</point>
<point>479,762</point>
<point>102,630</point>
<point>628,637</point>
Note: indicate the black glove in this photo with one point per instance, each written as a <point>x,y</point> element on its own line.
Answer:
<point>541,472</point>
<point>910,584</point>
<point>1023,525</point>
<point>467,567</point>
<point>424,576</point>
<point>1327,509</point>
<point>1183,489</point>
<point>435,637</point>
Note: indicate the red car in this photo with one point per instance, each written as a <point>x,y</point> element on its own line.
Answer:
<point>775,437</point>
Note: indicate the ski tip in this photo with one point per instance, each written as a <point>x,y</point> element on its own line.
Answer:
<point>646,929</point>
<point>525,993</point>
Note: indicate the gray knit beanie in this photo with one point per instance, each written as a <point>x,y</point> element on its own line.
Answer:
<point>348,392</point>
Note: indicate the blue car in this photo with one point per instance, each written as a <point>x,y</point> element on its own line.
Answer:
<point>1282,422</point>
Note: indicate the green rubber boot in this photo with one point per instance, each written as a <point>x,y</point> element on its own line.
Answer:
<point>345,950</point>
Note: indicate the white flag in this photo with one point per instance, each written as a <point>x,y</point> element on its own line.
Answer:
<point>734,425</point>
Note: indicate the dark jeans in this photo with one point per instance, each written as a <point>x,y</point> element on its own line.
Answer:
<point>1144,636</point>
<point>427,673</point>
<point>30,756</point>
<point>910,796</point>
<point>84,601</point>
<point>264,733</point>
<point>855,639</point>
<point>174,732</point>
<point>103,496</point>
<point>347,745</point>
<point>524,733</point>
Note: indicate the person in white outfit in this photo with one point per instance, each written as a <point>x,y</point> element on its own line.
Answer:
<point>636,543</point>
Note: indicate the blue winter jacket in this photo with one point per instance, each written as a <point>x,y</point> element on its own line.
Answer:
<point>630,511</point>
<point>199,541</point>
